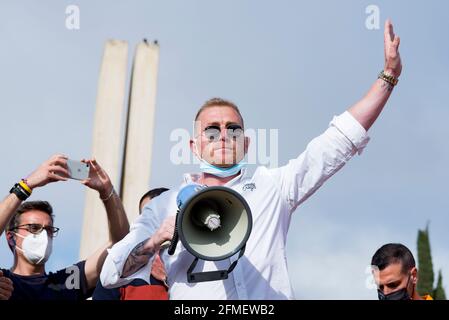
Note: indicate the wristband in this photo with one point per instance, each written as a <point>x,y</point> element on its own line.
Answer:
<point>21,193</point>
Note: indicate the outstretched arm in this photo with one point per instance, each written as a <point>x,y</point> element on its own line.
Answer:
<point>369,107</point>
<point>347,135</point>
<point>52,170</point>
<point>117,220</point>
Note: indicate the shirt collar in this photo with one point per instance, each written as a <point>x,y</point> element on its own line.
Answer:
<point>194,177</point>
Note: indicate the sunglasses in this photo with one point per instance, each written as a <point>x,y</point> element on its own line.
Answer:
<point>213,133</point>
<point>36,228</point>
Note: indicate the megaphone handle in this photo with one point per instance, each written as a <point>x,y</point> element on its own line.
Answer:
<point>165,244</point>
<point>174,242</point>
<point>232,266</point>
<point>211,275</point>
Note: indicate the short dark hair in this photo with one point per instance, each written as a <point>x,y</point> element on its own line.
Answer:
<point>43,206</point>
<point>391,253</point>
<point>14,222</point>
<point>153,193</point>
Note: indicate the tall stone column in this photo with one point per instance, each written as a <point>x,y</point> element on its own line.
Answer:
<point>140,127</point>
<point>106,143</point>
<point>133,180</point>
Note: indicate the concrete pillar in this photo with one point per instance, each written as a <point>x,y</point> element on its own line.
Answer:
<point>106,140</point>
<point>139,134</point>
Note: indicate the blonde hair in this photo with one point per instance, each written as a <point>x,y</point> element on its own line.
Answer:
<point>218,102</point>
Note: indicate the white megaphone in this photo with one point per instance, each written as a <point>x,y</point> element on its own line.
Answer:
<point>213,223</point>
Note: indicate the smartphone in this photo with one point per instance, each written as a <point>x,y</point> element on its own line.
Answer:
<point>78,170</point>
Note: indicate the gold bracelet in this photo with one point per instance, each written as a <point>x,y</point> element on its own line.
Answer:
<point>388,78</point>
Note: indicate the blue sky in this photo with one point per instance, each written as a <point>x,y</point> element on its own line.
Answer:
<point>289,65</point>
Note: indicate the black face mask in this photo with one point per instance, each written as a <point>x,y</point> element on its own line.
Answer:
<point>397,295</point>
<point>401,294</point>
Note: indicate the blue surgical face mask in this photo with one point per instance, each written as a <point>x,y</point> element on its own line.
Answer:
<point>206,167</point>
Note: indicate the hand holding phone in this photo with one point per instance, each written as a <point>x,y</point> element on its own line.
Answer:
<point>78,170</point>
<point>98,179</point>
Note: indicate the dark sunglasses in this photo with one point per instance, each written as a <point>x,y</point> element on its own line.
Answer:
<point>213,133</point>
<point>36,228</point>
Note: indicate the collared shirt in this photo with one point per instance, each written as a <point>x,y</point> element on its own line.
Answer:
<point>273,195</point>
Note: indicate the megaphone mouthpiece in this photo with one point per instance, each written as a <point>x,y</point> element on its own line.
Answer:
<point>213,222</point>
<point>219,209</point>
<point>206,215</point>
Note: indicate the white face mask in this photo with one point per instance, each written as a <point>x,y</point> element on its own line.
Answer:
<point>36,247</point>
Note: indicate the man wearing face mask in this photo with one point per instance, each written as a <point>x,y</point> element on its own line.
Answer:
<point>30,234</point>
<point>272,194</point>
<point>395,273</point>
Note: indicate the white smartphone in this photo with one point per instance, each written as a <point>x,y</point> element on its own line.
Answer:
<point>78,170</point>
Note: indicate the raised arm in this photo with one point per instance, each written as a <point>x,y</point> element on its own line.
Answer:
<point>117,220</point>
<point>370,106</point>
<point>345,137</point>
<point>52,170</point>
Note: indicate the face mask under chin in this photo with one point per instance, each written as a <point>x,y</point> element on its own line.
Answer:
<point>221,172</point>
<point>206,167</point>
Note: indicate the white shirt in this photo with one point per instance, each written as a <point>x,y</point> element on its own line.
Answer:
<point>273,196</point>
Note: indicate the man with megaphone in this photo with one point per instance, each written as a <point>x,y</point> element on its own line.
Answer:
<point>239,216</point>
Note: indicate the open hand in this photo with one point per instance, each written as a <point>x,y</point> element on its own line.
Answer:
<point>393,65</point>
